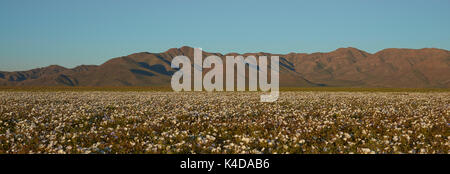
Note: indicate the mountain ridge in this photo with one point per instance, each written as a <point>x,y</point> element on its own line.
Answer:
<point>343,67</point>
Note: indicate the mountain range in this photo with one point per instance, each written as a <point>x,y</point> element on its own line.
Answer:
<point>344,67</point>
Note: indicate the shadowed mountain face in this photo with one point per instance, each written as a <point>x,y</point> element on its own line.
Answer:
<point>344,67</point>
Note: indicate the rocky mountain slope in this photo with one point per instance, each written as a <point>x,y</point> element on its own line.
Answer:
<point>344,67</point>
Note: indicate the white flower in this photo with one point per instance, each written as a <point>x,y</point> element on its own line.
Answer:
<point>365,150</point>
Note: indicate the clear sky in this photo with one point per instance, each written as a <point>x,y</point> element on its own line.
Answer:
<point>37,33</point>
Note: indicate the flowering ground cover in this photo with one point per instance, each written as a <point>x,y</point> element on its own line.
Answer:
<point>139,121</point>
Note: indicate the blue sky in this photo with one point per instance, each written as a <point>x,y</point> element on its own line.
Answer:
<point>69,33</point>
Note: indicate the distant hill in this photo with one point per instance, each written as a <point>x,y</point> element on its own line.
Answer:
<point>344,67</point>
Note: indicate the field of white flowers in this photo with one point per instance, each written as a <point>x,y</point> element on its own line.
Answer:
<point>224,122</point>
